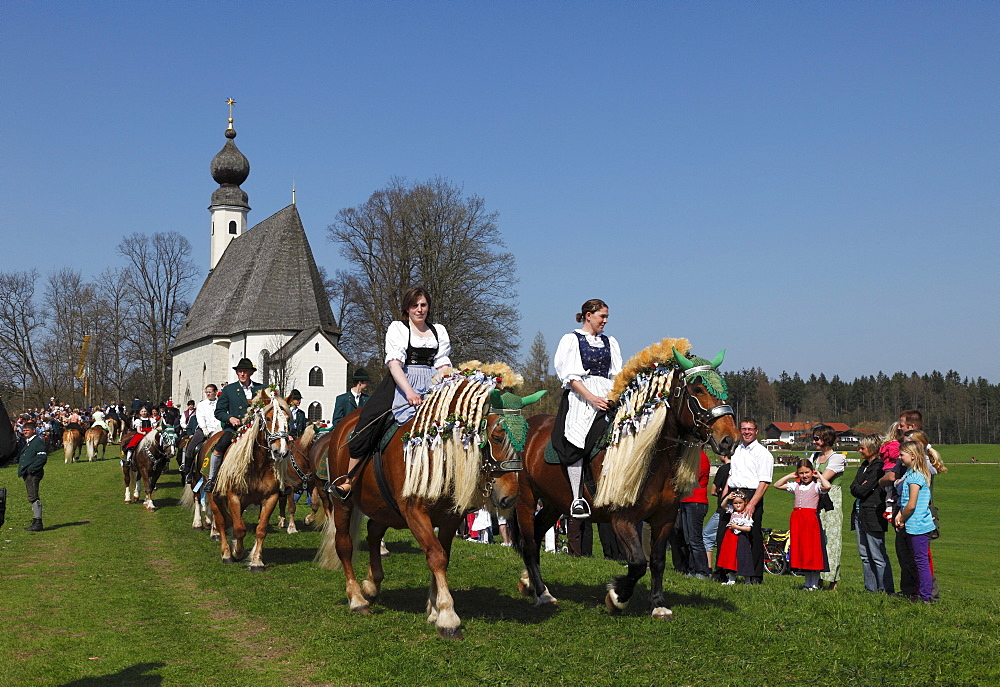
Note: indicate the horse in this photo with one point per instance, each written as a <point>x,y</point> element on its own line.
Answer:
<point>308,481</point>
<point>114,429</point>
<point>72,445</point>
<point>149,459</point>
<point>451,457</point>
<point>257,466</point>
<point>194,496</point>
<point>668,407</point>
<point>96,437</point>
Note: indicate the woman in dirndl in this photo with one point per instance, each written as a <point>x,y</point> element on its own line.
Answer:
<point>586,363</point>
<point>415,349</point>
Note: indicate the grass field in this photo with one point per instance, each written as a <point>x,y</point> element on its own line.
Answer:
<point>111,594</point>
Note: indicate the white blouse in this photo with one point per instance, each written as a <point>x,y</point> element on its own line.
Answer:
<point>569,365</point>
<point>397,338</point>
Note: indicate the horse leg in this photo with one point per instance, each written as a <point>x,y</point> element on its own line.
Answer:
<point>266,508</point>
<point>531,533</point>
<point>373,583</point>
<point>449,625</point>
<point>290,502</point>
<point>126,474</point>
<point>659,535</point>
<point>235,508</point>
<point>135,484</point>
<point>311,517</point>
<point>620,588</point>
<point>344,544</point>
<point>221,518</point>
<point>147,484</point>
<point>196,522</point>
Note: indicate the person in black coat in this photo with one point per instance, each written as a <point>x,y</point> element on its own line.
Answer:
<point>31,460</point>
<point>867,517</point>
<point>297,418</point>
<point>353,399</point>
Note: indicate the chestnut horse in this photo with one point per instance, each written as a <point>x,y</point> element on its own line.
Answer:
<point>149,459</point>
<point>94,438</point>
<point>72,445</point>
<point>666,412</point>
<point>256,469</point>
<point>431,480</point>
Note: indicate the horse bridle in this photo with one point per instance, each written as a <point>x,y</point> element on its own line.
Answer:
<point>703,417</point>
<point>491,465</point>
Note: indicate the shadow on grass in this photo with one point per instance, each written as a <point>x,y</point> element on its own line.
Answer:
<point>68,524</point>
<point>133,675</point>
<point>286,556</point>
<point>589,595</point>
<point>485,603</point>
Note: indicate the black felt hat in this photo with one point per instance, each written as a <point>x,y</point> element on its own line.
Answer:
<point>360,375</point>
<point>245,364</point>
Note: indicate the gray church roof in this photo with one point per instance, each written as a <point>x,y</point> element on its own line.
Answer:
<point>266,280</point>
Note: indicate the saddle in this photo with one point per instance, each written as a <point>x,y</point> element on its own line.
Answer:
<point>323,469</point>
<point>552,458</point>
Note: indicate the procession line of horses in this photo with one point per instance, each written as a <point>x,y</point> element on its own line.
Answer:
<point>669,406</point>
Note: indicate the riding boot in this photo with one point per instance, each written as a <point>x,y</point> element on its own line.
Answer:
<point>127,459</point>
<point>579,509</point>
<point>36,517</point>
<point>213,469</point>
<point>35,526</point>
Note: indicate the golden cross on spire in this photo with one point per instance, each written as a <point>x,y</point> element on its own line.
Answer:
<point>230,102</point>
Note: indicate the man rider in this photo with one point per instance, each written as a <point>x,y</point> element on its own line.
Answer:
<point>230,409</point>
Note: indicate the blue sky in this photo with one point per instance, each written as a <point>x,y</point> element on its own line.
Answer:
<point>812,186</point>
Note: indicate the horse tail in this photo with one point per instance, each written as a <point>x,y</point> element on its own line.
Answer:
<point>514,529</point>
<point>91,445</point>
<point>326,556</point>
<point>187,497</point>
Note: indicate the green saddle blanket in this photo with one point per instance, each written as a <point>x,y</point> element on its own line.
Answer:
<point>323,471</point>
<point>552,458</point>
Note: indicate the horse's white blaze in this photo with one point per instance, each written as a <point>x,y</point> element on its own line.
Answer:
<point>661,613</point>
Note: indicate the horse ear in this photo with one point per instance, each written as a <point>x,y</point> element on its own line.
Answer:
<point>681,361</point>
<point>717,360</point>
<point>528,400</point>
<point>496,399</point>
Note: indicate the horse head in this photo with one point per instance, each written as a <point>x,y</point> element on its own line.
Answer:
<point>703,411</point>
<point>503,450</point>
<point>275,420</point>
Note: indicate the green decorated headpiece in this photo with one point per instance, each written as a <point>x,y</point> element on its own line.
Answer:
<point>509,406</point>
<point>706,371</point>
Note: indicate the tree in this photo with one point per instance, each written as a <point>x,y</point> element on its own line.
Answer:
<point>535,370</point>
<point>19,320</point>
<point>157,278</point>
<point>428,234</point>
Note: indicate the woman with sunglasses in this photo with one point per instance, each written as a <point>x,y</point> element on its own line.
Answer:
<point>831,465</point>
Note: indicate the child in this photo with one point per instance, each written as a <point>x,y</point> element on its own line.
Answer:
<point>914,518</point>
<point>808,551</point>
<point>142,426</point>
<point>735,556</point>
<point>889,453</point>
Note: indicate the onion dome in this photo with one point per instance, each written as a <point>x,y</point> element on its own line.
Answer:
<point>230,168</point>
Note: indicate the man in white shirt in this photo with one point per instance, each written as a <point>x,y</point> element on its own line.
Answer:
<point>208,425</point>
<point>751,470</point>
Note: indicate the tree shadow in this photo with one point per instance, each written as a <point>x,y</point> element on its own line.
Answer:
<point>133,675</point>
<point>68,524</point>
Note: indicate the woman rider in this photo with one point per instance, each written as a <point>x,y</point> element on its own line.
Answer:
<point>415,349</point>
<point>586,363</point>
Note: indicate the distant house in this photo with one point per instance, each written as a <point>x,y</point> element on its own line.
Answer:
<point>793,432</point>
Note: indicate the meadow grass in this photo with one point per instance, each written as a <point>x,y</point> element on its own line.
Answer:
<point>111,594</point>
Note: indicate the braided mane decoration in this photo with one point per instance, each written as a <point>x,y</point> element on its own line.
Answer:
<point>442,448</point>
<point>232,478</point>
<point>642,391</point>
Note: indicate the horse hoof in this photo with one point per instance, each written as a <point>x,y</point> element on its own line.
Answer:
<point>197,527</point>
<point>612,602</point>
<point>363,610</point>
<point>524,586</point>
<point>369,590</point>
<point>256,568</point>
<point>216,537</point>
<point>450,632</point>
<point>227,560</point>
<point>281,523</point>
<point>661,613</point>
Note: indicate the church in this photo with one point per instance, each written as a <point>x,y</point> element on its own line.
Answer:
<point>263,299</point>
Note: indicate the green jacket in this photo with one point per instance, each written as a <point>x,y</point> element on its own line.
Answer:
<point>345,404</point>
<point>233,403</point>
<point>32,457</point>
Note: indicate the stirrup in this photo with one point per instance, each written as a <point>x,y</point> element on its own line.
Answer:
<point>579,509</point>
<point>333,488</point>
<point>209,486</point>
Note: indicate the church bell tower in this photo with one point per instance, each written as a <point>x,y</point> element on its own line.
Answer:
<point>229,207</point>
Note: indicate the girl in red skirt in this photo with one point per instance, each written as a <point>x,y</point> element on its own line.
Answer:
<point>808,552</point>
<point>735,556</point>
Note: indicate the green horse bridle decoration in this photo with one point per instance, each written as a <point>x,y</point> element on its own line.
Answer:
<point>509,406</point>
<point>707,372</point>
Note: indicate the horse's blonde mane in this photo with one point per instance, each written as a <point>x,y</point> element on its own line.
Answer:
<point>232,476</point>
<point>437,466</point>
<point>639,390</point>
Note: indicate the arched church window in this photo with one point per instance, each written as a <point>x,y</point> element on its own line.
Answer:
<point>316,376</point>
<point>315,412</point>
<point>317,346</point>
<point>232,226</point>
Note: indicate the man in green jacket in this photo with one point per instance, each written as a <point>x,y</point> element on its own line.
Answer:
<point>31,468</point>
<point>230,409</point>
<point>355,398</point>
